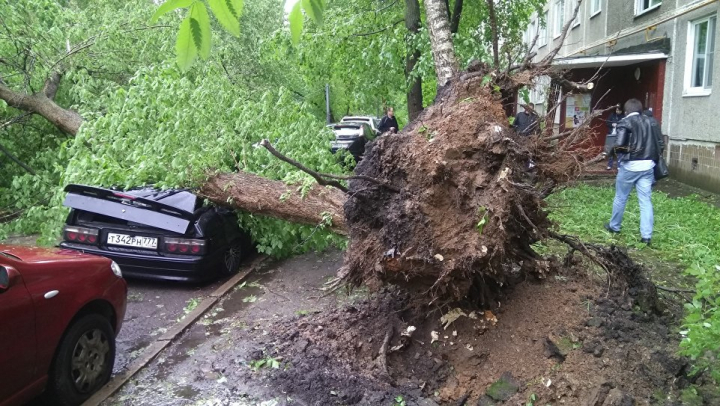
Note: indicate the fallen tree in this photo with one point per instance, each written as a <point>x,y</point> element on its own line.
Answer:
<point>273,198</point>
<point>450,206</point>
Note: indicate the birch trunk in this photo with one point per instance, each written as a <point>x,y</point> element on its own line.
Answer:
<point>446,65</point>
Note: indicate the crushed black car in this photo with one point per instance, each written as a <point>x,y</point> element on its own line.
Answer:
<point>154,234</point>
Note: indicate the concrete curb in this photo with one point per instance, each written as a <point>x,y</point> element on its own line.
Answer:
<point>151,351</point>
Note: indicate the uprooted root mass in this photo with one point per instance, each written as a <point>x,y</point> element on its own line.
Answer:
<point>470,203</point>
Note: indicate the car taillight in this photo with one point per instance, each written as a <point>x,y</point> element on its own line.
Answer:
<point>185,246</point>
<point>82,235</point>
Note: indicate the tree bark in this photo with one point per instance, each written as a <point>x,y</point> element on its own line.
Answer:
<point>493,28</point>
<point>455,18</point>
<point>414,91</point>
<point>42,103</point>
<point>446,65</point>
<point>274,198</point>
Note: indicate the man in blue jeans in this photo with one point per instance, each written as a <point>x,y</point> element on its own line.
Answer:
<point>638,146</point>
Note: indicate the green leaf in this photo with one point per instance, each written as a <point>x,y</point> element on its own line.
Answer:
<point>296,23</point>
<point>237,6</point>
<point>226,14</point>
<point>314,9</point>
<point>199,13</point>
<point>169,6</point>
<point>185,50</point>
<point>196,33</point>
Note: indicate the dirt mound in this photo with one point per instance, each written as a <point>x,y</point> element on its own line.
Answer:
<point>469,203</point>
<point>567,340</point>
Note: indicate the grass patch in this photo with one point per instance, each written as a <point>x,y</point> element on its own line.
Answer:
<point>686,230</point>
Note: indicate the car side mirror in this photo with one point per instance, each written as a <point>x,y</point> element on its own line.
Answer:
<point>4,279</point>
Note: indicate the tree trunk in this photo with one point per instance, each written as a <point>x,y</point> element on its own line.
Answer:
<point>414,91</point>
<point>274,198</point>
<point>446,65</point>
<point>42,103</point>
<point>455,18</point>
<point>493,28</point>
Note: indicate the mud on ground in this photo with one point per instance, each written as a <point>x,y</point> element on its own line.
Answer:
<point>276,341</point>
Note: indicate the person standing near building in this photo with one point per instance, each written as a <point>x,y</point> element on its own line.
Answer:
<point>388,123</point>
<point>611,136</point>
<point>527,121</point>
<point>638,149</point>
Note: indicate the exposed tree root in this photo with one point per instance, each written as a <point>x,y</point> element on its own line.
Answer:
<point>382,353</point>
<point>621,271</point>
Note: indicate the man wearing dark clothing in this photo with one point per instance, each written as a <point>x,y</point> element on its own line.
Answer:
<point>357,148</point>
<point>611,136</point>
<point>639,147</point>
<point>655,126</point>
<point>527,122</point>
<point>388,123</point>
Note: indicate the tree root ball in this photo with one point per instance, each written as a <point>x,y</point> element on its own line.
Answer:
<point>470,203</point>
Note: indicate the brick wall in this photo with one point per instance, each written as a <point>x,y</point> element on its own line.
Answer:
<point>695,164</point>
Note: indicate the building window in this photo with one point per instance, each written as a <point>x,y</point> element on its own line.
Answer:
<point>559,19</point>
<point>595,7</point>
<point>532,32</point>
<point>699,65</point>
<point>539,89</point>
<point>542,40</point>
<point>642,6</point>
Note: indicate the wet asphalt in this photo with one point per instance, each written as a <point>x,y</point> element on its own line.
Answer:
<point>152,308</point>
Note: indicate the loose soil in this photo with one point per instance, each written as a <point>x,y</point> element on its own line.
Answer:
<point>457,200</point>
<point>568,339</point>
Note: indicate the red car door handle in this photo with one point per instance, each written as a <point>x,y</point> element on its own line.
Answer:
<point>51,294</point>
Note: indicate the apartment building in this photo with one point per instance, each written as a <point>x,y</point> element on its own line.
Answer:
<point>661,52</point>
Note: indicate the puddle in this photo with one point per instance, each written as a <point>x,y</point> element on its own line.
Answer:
<point>125,357</point>
<point>185,348</point>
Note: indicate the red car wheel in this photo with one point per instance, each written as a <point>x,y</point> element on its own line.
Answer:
<point>84,360</point>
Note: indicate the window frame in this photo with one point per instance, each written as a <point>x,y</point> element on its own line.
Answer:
<point>691,57</point>
<point>558,15</point>
<point>640,8</point>
<point>532,31</point>
<point>593,11</point>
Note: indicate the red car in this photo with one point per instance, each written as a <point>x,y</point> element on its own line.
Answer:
<point>60,311</point>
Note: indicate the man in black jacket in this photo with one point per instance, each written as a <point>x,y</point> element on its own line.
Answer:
<point>527,122</point>
<point>388,123</point>
<point>638,146</point>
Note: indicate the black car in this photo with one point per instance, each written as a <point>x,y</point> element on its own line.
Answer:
<point>153,234</point>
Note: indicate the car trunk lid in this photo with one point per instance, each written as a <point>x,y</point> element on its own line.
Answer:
<point>167,210</point>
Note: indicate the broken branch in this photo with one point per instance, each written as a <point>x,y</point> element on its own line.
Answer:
<point>318,177</point>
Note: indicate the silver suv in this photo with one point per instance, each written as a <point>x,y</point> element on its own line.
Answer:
<point>373,122</point>
<point>348,132</point>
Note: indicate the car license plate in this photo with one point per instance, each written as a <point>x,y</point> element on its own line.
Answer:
<point>130,241</point>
